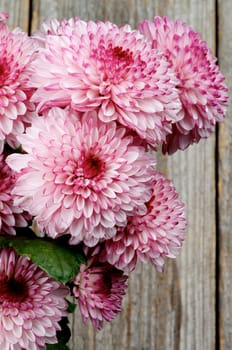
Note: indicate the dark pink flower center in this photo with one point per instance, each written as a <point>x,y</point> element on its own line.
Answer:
<point>121,54</point>
<point>101,282</point>
<point>4,72</point>
<point>13,290</point>
<point>9,70</point>
<point>92,166</point>
<point>1,69</point>
<point>115,62</point>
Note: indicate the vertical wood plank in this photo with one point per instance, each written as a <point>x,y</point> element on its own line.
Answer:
<point>225,183</point>
<point>175,309</point>
<point>18,11</point>
<point>194,175</point>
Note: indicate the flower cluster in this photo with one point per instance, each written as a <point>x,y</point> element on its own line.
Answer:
<point>82,105</point>
<point>201,90</point>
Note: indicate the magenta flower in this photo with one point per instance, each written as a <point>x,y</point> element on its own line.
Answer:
<point>31,304</point>
<point>99,290</point>
<point>153,236</point>
<point>11,216</point>
<point>98,65</point>
<point>201,89</point>
<point>81,176</point>
<point>16,50</point>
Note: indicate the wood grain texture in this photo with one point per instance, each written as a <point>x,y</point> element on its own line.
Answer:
<point>173,310</point>
<point>18,11</point>
<point>225,183</point>
<point>194,176</point>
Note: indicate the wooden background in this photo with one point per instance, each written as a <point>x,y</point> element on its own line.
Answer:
<point>188,306</point>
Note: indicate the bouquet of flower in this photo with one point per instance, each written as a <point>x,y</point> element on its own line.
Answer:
<point>84,107</point>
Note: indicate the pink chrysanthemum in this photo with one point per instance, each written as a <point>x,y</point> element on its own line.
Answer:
<point>11,216</point>
<point>81,176</point>
<point>31,304</point>
<point>99,289</point>
<point>16,50</point>
<point>150,237</point>
<point>98,65</point>
<point>201,89</point>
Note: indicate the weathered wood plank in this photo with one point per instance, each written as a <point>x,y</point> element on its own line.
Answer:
<point>18,11</point>
<point>193,174</point>
<point>173,310</point>
<point>225,183</point>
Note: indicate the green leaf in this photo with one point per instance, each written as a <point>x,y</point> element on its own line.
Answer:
<point>60,261</point>
<point>3,241</point>
<point>71,307</point>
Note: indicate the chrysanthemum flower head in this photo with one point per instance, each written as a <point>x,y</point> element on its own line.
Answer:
<point>153,236</point>
<point>31,304</point>
<point>99,290</point>
<point>16,50</point>
<point>81,176</point>
<point>98,65</point>
<point>201,89</point>
<point>11,216</point>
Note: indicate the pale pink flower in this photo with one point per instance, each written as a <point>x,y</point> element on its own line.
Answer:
<point>31,304</point>
<point>98,65</point>
<point>201,89</point>
<point>153,236</point>
<point>16,50</point>
<point>54,27</point>
<point>99,290</point>
<point>81,176</point>
<point>11,216</point>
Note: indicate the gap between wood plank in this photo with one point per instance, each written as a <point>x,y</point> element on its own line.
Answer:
<point>217,209</point>
<point>30,15</point>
